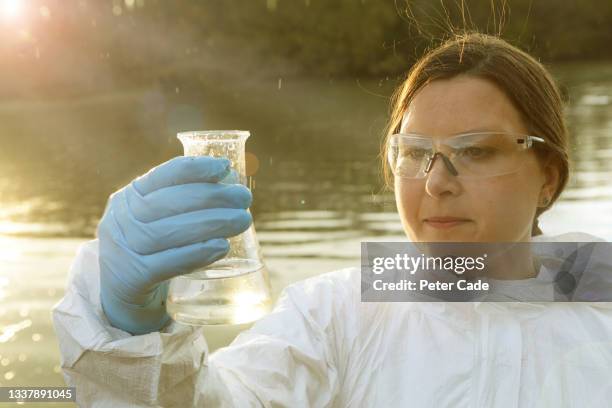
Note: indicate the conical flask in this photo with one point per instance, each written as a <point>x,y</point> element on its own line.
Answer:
<point>235,289</point>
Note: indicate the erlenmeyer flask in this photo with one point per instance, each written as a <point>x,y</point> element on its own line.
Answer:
<point>235,289</point>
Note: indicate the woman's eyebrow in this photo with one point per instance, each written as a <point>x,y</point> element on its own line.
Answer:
<point>491,129</point>
<point>478,130</point>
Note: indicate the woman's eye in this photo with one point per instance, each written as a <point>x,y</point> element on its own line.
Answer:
<point>475,152</point>
<point>415,154</point>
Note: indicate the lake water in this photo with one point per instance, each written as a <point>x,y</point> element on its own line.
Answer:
<point>317,193</point>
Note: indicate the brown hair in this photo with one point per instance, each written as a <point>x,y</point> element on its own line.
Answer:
<point>525,81</point>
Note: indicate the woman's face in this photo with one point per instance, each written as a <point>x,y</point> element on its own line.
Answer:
<point>493,209</point>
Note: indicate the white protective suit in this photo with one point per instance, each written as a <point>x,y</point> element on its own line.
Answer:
<point>322,347</point>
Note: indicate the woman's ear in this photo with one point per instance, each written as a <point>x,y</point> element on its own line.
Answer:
<point>550,186</point>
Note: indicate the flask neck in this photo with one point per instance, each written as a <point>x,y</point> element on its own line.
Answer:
<point>229,144</point>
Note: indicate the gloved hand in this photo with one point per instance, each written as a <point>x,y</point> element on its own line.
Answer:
<point>165,223</point>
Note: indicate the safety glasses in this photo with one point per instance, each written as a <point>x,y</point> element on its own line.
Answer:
<point>470,155</point>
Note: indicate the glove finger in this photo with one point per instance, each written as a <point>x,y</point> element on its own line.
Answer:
<point>184,198</point>
<point>232,178</point>
<point>173,262</point>
<point>196,226</point>
<point>178,230</point>
<point>182,170</point>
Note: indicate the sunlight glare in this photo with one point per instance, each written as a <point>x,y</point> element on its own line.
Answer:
<point>250,307</point>
<point>11,9</point>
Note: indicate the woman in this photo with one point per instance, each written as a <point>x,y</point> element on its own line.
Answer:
<point>321,346</point>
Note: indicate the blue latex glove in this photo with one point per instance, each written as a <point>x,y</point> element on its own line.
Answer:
<point>166,223</point>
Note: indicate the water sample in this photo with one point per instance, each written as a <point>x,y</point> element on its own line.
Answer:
<point>235,289</point>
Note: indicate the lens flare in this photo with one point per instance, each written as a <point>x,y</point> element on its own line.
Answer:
<point>10,9</point>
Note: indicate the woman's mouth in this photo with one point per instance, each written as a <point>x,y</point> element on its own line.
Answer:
<point>445,222</point>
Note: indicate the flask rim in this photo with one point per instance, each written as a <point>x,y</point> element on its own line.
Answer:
<point>217,135</point>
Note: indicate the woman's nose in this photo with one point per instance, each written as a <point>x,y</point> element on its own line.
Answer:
<point>440,180</point>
